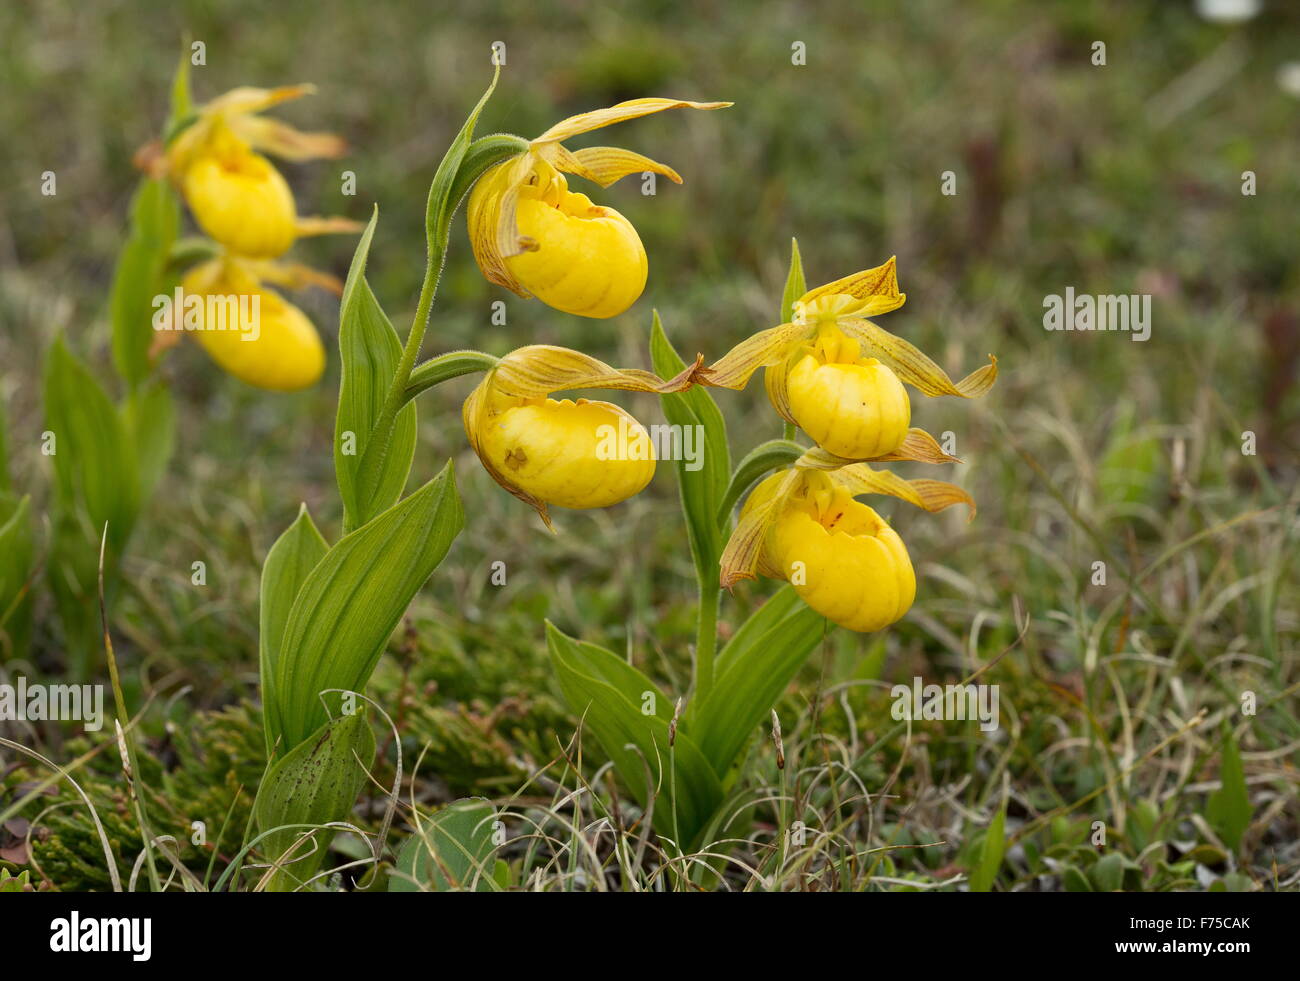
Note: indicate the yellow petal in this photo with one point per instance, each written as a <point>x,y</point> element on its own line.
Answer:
<point>607,164</point>
<point>585,122</point>
<point>485,222</point>
<point>540,370</point>
<point>914,367</point>
<point>877,288</point>
<point>287,142</point>
<point>333,225</point>
<point>297,276</point>
<point>920,447</point>
<point>743,555</point>
<point>247,99</point>
<point>767,347</point>
<point>929,495</point>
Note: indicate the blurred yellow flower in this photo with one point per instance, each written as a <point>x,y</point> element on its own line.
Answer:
<point>252,332</point>
<point>534,236</point>
<point>235,193</point>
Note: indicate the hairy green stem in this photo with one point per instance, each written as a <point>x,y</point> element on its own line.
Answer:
<point>437,370</point>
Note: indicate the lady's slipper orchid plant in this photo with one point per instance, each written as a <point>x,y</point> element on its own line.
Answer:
<point>328,610</point>
<point>534,236</point>
<point>803,524</point>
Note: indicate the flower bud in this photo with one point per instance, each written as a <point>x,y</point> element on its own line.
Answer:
<point>854,407</point>
<point>239,198</point>
<point>251,332</point>
<point>572,454</point>
<point>841,557</point>
<point>581,258</point>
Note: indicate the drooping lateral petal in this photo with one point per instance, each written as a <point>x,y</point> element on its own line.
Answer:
<point>767,347</point>
<point>539,370</point>
<point>740,558</point>
<point>333,225</point>
<point>475,414</point>
<point>913,367</point>
<point>607,164</point>
<point>483,221</point>
<point>297,276</point>
<point>878,287</point>
<point>919,447</point>
<point>287,142</point>
<point>776,380</point>
<point>247,99</point>
<point>929,495</point>
<point>585,122</point>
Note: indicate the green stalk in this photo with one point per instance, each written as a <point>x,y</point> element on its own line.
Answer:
<point>455,176</point>
<point>437,370</point>
<point>706,636</point>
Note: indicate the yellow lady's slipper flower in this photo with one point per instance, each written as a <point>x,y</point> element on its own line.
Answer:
<point>557,451</point>
<point>853,407</point>
<point>235,193</point>
<point>572,454</point>
<point>839,377</point>
<point>251,332</point>
<point>534,236</point>
<point>841,557</point>
<point>240,199</point>
<point>804,526</point>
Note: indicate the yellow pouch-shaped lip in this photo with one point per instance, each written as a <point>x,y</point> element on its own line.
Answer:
<point>845,562</point>
<point>578,455</point>
<point>242,202</point>
<point>259,337</point>
<point>857,410</point>
<point>589,260</point>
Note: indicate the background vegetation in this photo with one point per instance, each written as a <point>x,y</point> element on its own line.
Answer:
<point>1120,703</point>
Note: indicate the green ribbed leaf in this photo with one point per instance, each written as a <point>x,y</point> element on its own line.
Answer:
<point>630,717</point>
<point>451,851</point>
<point>294,554</point>
<point>371,466</point>
<point>753,671</point>
<point>314,784</point>
<point>138,277</point>
<point>353,599</point>
<point>94,457</point>
<point>702,490</point>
